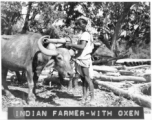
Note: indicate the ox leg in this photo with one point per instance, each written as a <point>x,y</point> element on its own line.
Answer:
<point>29,74</point>
<point>70,84</point>
<point>35,78</point>
<point>62,83</point>
<point>23,77</point>
<point>74,82</point>
<point>18,77</point>
<point>84,89</point>
<point>4,84</point>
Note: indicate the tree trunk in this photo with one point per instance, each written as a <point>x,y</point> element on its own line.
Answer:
<point>126,72</point>
<point>25,27</point>
<point>135,97</point>
<point>127,6</point>
<point>104,68</point>
<point>105,41</point>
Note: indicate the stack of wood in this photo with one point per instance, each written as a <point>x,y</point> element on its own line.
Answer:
<point>116,74</point>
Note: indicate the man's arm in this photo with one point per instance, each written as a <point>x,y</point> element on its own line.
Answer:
<point>61,40</point>
<point>78,46</point>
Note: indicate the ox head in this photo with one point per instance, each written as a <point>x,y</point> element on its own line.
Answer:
<point>61,57</point>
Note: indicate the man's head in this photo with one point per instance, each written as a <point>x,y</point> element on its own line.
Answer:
<point>81,24</point>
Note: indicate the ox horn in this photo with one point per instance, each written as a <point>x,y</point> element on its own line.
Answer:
<point>50,52</point>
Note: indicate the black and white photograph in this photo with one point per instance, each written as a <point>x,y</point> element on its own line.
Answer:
<point>76,54</point>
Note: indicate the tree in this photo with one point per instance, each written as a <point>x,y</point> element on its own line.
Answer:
<point>115,22</point>
<point>113,19</point>
<point>123,15</point>
<point>25,27</point>
<point>48,12</point>
<point>10,14</point>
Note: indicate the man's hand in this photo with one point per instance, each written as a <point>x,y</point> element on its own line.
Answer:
<point>68,44</point>
<point>46,41</point>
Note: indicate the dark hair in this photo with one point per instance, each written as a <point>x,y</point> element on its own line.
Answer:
<point>81,24</point>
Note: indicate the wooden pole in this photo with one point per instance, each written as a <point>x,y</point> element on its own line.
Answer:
<point>119,78</point>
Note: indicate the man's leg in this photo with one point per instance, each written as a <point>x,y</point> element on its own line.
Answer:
<point>84,89</point>
<point>88,81</point>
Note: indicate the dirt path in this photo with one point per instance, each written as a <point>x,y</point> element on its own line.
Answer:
<point>57,96</point>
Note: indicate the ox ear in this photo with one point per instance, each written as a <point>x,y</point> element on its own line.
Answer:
<point>72,53</point>
<point>50,63</point>
<point>59,45</point>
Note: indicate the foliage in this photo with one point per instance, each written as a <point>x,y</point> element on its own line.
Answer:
<point>137,25</point>
<point>142,52</point>
<point>10,14</point>
<point>134,27</point>
<point>48,12</point>
<point>115,22</point>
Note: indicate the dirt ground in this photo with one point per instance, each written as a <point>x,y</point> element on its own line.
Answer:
<point>57,95</point>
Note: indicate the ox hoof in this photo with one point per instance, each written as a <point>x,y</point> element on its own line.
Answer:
<point>83,101</point>
<point>91,102</point>
<point>31,102</point>
<point>10,95</point>
<point>70,90</point>
<point>31,99</point>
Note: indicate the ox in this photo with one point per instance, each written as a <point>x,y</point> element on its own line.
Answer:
<point>25,52</point>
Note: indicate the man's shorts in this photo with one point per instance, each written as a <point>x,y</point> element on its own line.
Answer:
<point>79,63</point>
